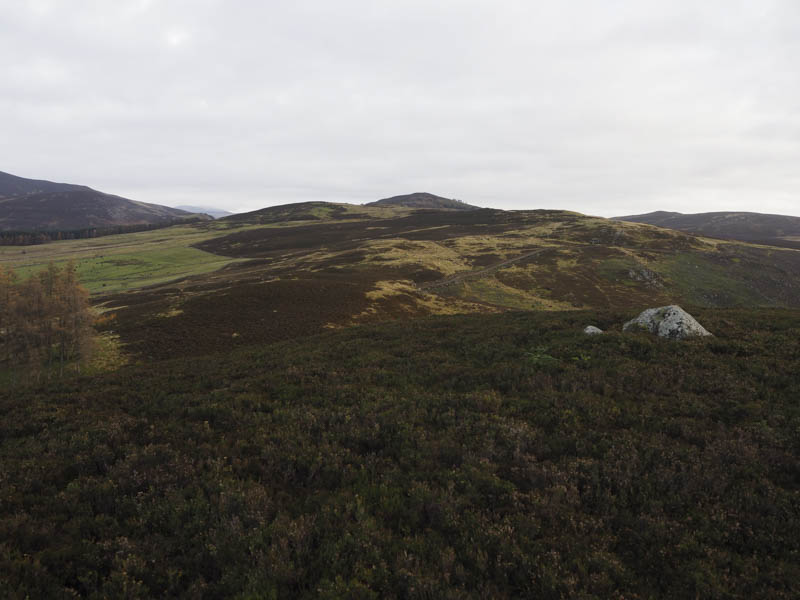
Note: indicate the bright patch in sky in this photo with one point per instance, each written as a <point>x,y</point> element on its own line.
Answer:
<point>176,37</point>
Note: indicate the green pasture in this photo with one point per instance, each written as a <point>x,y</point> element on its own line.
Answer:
<point>127,261</point>
<point>134,260</point>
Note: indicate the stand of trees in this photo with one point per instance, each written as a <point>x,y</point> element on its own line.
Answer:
<point>31,238</point>
<point>45,322</point>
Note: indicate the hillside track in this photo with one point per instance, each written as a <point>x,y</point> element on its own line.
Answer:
<point>469,275</point>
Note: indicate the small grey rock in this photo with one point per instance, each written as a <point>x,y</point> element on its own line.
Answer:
<point>667,321</point>
<point>592,330</point>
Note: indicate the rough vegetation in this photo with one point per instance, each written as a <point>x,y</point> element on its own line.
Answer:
<point>300,269</point>
<point>127,261</point>
<point>368,266</point>
<point>499,456</point>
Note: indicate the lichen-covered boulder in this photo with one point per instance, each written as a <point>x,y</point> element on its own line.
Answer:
<point>592,330</point>
<point>667,321</point>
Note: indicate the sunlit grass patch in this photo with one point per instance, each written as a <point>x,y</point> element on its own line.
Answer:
<point>125,261</point>
<point>430,255</point>
<point>423,302</point>
<point>489,289</point>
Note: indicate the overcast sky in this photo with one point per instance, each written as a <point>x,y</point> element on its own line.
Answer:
<point>606,107</point>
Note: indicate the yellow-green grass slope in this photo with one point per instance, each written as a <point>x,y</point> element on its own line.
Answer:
<point>126,261</point>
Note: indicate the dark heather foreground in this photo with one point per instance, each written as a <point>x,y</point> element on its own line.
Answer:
<point>482,456</point>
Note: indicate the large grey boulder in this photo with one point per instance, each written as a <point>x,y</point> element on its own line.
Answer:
<point>667,321</point>
<point>592,330</point>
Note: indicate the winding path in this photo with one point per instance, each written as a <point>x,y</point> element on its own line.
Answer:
<point>464,276</point>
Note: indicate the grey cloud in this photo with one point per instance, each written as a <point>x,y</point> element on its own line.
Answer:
<point>606,108</point>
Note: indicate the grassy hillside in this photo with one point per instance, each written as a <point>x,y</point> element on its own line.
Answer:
<point>302,276</point>
<point>303,268</point>
<point>588,261</point>
<point>127,261</point>
<point>499,456</point>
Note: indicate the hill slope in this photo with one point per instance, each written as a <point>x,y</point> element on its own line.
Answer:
<point>12,185</point>
<point>299,269</point>
<point>34,205</point>
<point>318,266</point>
<point>775,230</point>
<point>423,200</point>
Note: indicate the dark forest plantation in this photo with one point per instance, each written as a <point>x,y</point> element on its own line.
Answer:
<point>398,401</point>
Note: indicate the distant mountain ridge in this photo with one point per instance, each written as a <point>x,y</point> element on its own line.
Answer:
<point>39,205</point>
<point>423,200</point>
<point>217,213</point>
<point>760,228</point>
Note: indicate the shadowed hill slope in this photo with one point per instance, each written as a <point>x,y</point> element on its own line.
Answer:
<point>63,211</point>
<point>757,228</point>
<point>12,185</point>
<point>34,205</point>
